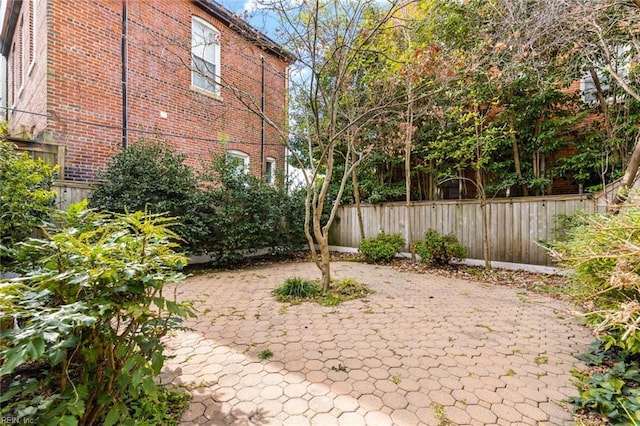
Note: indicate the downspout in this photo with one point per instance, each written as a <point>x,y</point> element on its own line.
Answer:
<point>262,127</point>
<point>124,60</point>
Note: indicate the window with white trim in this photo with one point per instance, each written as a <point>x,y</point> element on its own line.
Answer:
<point>620,61</point>
<point>270,170</point>
<point>588,87</point>
<point>32,38</point>
<point>239,160</point>
<point>205,56</point>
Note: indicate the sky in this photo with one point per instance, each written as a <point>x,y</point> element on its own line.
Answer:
<point>248,8</point>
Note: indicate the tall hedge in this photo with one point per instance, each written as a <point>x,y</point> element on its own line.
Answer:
<point>150,175</point>
<point>223,212</point>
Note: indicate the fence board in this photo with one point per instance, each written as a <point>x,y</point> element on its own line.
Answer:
<point>68,193</point>
<point>516,225</point>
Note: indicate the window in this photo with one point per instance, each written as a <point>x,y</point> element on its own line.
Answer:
<point>32,39</point>
<point>620,62</point>
<point>205,56</point>
<point>19,49</point>
<point>270,171</point>
<point>239,160</point>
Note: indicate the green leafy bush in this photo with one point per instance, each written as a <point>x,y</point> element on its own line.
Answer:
<point>222,212</point>
<point>241,214</point>
<point>440,249</point>
<point>603,251</point>
<point>614,390</point>
<point>382,248</point>
<point>26,198</point>
<point>150,175</point>
<point>91,316</point>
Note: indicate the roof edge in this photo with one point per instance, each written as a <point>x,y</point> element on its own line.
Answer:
<point>242,27</point>
<point>9,21</point>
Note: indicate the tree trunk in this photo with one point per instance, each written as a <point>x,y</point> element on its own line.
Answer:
<point>432,183</point>
<point>407,182</point>
<point>325,259</point>
<point>407,170</point>
<point>629,176</point>
<point>516,156</point>
<point>486,247</point>
<point>356,196</point>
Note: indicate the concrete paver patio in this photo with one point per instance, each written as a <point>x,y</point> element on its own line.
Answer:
<point>422,350</point>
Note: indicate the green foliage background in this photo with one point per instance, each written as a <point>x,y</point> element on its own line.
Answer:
<point>26,198</point>
<point>222,212</point>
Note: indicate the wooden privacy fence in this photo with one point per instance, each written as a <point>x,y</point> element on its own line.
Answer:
<point>516,225</point>
<point>68,193</point>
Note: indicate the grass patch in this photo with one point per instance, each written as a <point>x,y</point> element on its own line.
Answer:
<point>265,354</point>
<point>296,290</point>
<point>541,359</point>
<point>441,415</point>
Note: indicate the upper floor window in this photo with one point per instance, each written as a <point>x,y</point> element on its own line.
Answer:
<point>32,38</point>
<point>238,160</point>
<point>205,56</point>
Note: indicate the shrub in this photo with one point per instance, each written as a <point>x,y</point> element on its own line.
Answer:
<point>222,212</point>
<point>382,248</point>
<point>91,315</point>
<point>604,253</point>
<point>150,175</point>
<point>440,249</point>
<point>242,214</point>
<point>26,198</point>
<point>296,288</point>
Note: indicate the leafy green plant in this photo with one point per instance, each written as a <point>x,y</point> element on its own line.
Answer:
<point>296,288</point>
<point>299,289</point>
<point>382,248</point>
<point>151,175</point>
<point>614,389</point>
<point>265,354</point>
<point>440,249</point>
<point>222,212</point>
<point>166,409</point>
<point>26,198</point>
<point>603,251</point>
<point>91,316</point>
<point>240,214</point>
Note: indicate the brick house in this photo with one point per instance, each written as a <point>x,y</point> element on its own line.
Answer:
<point>95,76</point>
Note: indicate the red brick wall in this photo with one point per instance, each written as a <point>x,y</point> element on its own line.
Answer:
<point>28,92</point>
<point>84,89</point>
<point>159,81</point>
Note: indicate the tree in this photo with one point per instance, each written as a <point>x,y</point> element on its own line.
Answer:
<point>333,100</point>
<point>412,58</point>
<point>594,37</point>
